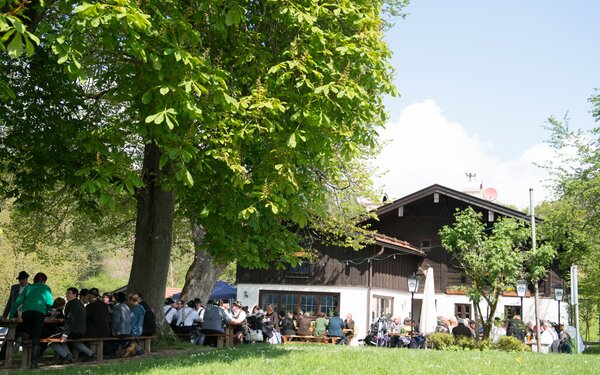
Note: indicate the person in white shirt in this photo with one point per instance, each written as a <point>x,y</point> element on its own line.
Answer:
<point>170,311</point>
<point>199,309</point>
<point>547,337</point>
<point>238,317</point>
<point>185,318</point>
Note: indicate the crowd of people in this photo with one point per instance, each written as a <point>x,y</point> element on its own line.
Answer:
<point>553,337</point>
<point>251,326</point>
<point>81,314</point>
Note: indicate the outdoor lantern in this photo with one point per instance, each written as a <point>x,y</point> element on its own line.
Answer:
<point>558,296</point>
<point>413,283</point>
<point>521,290</point>
<point>558,292</point>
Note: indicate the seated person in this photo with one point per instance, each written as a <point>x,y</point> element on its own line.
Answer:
<point>304,325</point>
<point>170,311</point>
<point>349,323</point>
<point>254,323</point>
<point>120,325</point>
<point>74,329</point>
<point>335,327</point>
<point>238,318</point>
<point>443,325</point>
<point>462,329</point>
<point>214,319</point>
<point>320,324</point>
<point>186,316</point>
<point>516,327</point>
<point>287,325</point>
<point>408,326</point>
<point>396,328</point>
<point>97,316</point>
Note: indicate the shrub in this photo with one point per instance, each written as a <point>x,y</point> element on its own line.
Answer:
<point>511,344</point>
<point>484,345</point>
<point>466,343</point>
<point>441,341</point>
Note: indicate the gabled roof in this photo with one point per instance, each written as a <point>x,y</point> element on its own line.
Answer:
<point>464,197</point>
<point>398,245</point>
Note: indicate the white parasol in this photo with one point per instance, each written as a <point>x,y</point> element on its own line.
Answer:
<point>428,320</point>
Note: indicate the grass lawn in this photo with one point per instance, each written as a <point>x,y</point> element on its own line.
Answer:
<point>328,359</point>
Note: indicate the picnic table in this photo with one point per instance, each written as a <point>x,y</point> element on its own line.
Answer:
<point>10,338</point>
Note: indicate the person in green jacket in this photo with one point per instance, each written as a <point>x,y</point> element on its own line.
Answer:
<point>320,324</point>
<point>36,299</point>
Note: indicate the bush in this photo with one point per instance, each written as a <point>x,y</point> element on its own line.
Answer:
<point>484,345</point>
<point>466,343</point>
<point>441,341</point>
<point>511,344</point>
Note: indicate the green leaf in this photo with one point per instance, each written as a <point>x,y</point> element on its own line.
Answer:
<point>147,97</point>
<point>15,48</point>
<point>164,90</point>
<point>233,16</point>
<point>83,7</point>
<point>63,58</point>
<point>17,24</point>
<point>292,141</point>
<point>160,118</point>
<point>151,118</point>
<point>189,181</point>
<point>30,49</point>
<point>169,123</point>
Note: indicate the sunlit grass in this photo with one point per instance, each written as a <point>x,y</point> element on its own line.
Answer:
<point>328,359</point>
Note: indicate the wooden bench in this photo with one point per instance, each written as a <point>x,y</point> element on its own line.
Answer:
<point>96,345</point>
<point>310,339</point>
<point>222,338</point>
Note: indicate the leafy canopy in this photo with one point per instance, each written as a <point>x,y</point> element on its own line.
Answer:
<point>261,110</point>
<point>493,258</point>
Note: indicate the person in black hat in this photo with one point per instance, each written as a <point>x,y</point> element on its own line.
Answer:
<point>97,316</point>
<point>15,290</point>
<point>170,311</point>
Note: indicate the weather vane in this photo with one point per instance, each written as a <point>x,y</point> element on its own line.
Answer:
<point>470,175</point>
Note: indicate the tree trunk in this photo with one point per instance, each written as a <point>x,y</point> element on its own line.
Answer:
<point>202,275</point>
<point>153,235</point>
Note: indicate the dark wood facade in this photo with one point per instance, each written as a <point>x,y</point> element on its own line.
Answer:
<point>416,219</point>
<point>343,267</point>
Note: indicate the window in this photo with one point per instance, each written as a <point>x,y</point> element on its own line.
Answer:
<point>462,310</point>
<point>384,305</point>
<point>301,270</point>
<point>329,303</point>
<point>510,311</point>
<point>311,302</point>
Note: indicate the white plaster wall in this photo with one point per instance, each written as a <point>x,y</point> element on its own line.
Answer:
<point>354,300</point>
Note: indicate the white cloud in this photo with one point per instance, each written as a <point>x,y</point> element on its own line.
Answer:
<point>425,148</point>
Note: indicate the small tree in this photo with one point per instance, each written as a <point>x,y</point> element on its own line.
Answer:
<point>492,258</point>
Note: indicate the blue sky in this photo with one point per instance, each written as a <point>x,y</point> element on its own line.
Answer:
<point>478,80</point>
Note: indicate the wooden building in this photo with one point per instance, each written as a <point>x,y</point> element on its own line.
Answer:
<point>374,280</point>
